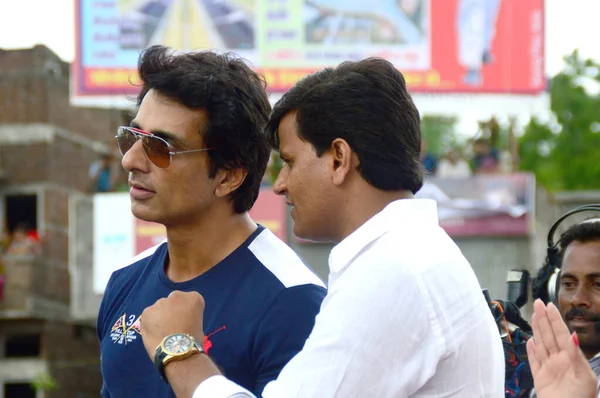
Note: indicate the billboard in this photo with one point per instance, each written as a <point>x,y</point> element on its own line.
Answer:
<point>439,45</point>
<point>119,236</point>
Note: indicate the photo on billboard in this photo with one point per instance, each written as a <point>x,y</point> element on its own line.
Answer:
<point>352,22</point>
<point>186,24</point>
<point>138,22</point>
<point>339,30</point>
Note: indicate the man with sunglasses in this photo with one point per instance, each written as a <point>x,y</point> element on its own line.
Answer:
<point>196,153</point>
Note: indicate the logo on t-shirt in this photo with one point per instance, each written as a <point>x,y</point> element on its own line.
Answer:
<point>207,345</point>
<point>126,329</point>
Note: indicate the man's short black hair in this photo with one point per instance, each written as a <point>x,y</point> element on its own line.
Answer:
<point>236,103</point>
<point>367,104</point>
<point>587,231</point>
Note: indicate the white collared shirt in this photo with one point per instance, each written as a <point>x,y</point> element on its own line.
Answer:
<point>404,317</point>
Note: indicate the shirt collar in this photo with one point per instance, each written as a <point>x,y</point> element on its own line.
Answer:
<point>402,213</point>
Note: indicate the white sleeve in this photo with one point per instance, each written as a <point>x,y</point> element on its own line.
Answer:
<point>373,337</point>
<point>220,387</point>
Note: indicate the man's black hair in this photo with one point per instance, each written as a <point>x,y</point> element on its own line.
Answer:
<point>367,104</point>
<point>236,103</point>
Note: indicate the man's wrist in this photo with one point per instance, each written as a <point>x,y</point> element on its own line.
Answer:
<point>185,375</point>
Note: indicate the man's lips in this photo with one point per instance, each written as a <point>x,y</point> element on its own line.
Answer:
<point>579,322</point>
<point>292,207</point>
<point>137,185</point>
<point>139,191</point>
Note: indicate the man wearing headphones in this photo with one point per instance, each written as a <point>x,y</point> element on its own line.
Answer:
<point>576,288</point>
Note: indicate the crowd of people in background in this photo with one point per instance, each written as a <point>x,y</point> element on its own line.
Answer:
<point>455,164</point>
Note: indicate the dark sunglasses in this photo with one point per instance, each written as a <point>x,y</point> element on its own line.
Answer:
<point>157,149</point>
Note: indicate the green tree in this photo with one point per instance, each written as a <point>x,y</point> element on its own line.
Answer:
<point>565,155</point>
<point>44,382</point>
<point>440,133</point>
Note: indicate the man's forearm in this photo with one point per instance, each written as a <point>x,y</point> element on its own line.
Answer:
<point>184,376</point>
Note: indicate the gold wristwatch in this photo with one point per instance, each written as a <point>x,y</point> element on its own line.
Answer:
<point>175,347</point>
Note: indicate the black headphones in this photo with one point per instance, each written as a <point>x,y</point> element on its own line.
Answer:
<point>553,258</point>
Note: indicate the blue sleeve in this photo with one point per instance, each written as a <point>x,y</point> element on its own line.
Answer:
<point>284,330</point>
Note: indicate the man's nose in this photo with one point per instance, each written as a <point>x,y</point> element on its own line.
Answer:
<point>581,297</point>
<point>135,158</point>
<point>279,186</point>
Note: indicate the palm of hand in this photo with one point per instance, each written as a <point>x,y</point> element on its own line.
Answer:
<point>557,379</point>
<point>559,368</point>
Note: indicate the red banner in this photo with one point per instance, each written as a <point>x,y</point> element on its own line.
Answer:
<point>515,60</point>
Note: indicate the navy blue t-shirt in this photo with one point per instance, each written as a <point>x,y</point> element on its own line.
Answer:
<point>261,303</point>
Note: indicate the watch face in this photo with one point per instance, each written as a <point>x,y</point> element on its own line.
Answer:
<point>177,344</point>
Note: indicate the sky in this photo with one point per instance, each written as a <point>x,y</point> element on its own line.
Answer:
<point>24,23</point>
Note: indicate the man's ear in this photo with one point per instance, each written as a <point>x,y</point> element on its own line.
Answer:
<point>229,181</point>
<point>342,160</point>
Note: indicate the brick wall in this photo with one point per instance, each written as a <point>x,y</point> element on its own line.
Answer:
<point>19,282</point>
<point>32,285</point>
<point>34,88</point>
<point>62,161</point>
<point>74,361</point>
<point>22,98</point>
<point>70,164</point>
<point>25,164</point>
<point>51,285</point>
<point>56,209</point>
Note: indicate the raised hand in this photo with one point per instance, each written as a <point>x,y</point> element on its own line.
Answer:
<point>559,368</point>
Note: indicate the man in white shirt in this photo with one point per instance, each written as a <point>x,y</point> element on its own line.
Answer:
<point>404,315</point>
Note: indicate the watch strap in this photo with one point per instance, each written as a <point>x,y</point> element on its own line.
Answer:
<point>158,361</point>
